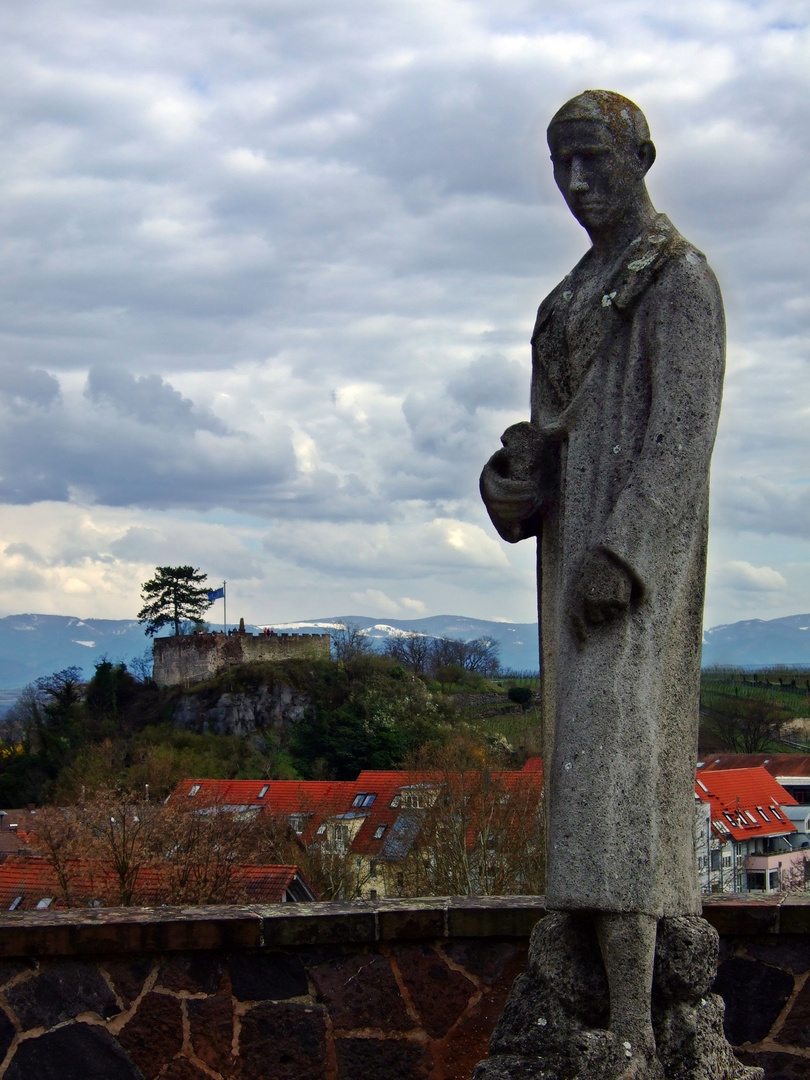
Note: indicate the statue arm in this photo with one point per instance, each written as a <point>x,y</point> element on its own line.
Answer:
<point>669,481</point>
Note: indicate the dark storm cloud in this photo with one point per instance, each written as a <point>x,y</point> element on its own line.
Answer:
<point>23,388</point>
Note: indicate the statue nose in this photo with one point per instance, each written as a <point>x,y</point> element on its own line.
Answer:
<point>578,181</point>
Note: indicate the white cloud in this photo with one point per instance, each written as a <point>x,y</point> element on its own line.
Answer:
<point>742,575</point>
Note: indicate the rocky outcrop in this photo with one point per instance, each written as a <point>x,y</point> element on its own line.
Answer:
<point>268,707</point>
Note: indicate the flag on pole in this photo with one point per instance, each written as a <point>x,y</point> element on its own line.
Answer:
<point>216,594</point>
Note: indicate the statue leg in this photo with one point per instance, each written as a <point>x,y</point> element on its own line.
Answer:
<point>627,944</point>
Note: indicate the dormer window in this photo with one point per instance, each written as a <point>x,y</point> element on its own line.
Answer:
<point>363,799</point>
<point>396,800</point>
<point>378,832</point>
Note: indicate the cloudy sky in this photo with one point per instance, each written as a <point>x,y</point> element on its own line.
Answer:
<point>268,270</point>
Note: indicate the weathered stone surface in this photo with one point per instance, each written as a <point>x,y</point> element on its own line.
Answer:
<point>791,955</point>
<point>270,976</point>
<point>284,1041</point>
<point>777,1066</point>
<point>564,953</point>
<point>61,992</point>
<point>183,1069</point>
<point>74,1052</point>
<point>211,1029</point>
<point>685,958</point>
<point>197,973</point>
<point>754,994</point>
<point>9,969</point>
<point>457,1053</point>
<point>7,1034</point>
<point>796,1029</point>
<point>375,1059</point>
<point>361,992</point>
<point>154,1034</point>
<point>484,959</point>
<point>690,1043</point>
<point>128,977</point>
<point>438,994</point>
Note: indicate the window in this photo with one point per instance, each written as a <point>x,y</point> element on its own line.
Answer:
<point>363,798</point>
<point>373,868</point>
<point>762,814</point>
<point>378,832</point>
<point>396,800</point>
<point>320,830</point>
<point>193,790</point>
<point>44,903</point>
<point>372,894</point>
<point>750,817</point>
<point>15,903</point>
<point>263,791</point>
<point>400,880</point>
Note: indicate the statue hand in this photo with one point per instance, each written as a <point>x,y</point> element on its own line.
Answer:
<point>604,592</point>
<point>513,484</point>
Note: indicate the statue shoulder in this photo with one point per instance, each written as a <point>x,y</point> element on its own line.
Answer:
<point>662,256</point>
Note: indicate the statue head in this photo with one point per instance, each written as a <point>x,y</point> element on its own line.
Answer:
<point>601,151</point>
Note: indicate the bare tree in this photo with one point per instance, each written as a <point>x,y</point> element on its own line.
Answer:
<point>349,642</point>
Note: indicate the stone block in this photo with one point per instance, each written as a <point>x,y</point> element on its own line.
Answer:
<point>794,915</point>
<point>128,977</point>
<point>343,924</point>
<point>790,954</point>
<point>439,994</point>
<point>267,976</point>
<point>211,1030</point>
<point>777,1066</point>
<point>196,973</point>
<point>373,1059</point>
<point>733,918</point>
<point>74,1052</point>
<point>61,992</point>
<point>754,994</point>
<point>183,1069</point>
<point>484,959</point>
<point>513,916</point>
<point>154,1034</point>
<point>411,921</point>
<point>284,1041</point>
<point>7,1033</point>
<point>360,991</point>
<point>564,953</point>
<point>796,1029</point>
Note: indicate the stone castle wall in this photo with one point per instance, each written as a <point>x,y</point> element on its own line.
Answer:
<point>401,989</point>
<point>197,657</point>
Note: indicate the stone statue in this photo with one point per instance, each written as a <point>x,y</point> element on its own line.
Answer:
<point>612,476</point>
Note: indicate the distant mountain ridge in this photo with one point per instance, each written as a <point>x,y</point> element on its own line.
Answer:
<point>36,645</point>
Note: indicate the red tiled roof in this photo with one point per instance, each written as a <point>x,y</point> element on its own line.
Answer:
<point>32,879</point>
<point>280,796</point>
<point>776,764</point>
<point>745,802</point>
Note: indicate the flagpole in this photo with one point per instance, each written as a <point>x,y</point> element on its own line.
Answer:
<point>224,610</point>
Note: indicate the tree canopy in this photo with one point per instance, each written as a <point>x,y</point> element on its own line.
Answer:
<point>175,595</point>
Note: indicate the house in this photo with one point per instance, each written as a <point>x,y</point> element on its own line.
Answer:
<point>29,883</point>
<point>15,827</point>
<point>395,833</point>
<point>745,838</point>
<point>792,771</point>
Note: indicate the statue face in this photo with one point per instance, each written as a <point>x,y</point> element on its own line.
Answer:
<point>600,179</point>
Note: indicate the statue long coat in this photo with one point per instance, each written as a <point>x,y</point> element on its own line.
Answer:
<point>626,397</point>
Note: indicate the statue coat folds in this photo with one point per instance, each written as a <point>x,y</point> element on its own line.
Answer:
<point>624,414</point>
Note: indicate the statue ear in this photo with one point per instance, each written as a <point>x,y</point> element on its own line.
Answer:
<point>646,153</point>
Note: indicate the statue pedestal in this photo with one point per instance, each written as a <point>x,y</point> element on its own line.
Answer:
<point>554,1025</point>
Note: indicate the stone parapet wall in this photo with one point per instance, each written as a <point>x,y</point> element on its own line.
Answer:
<point>196,657</point>
<point>387,990</point>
